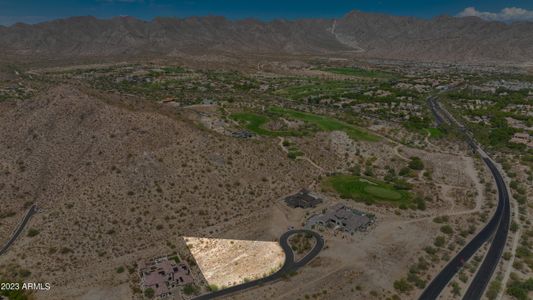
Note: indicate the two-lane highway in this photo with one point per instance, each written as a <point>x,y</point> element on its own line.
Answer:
<point>288,266</point>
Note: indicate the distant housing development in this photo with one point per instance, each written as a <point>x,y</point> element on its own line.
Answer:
<point>522,138</point>
<point>164,274</point>
<point>341,217</point>
<point>303,199</point>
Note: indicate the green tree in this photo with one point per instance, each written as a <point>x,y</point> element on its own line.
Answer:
<point>149,293</point>
<point>404,171</point>
<point>416,163</point>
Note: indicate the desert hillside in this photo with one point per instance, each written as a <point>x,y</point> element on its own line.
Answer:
<point>116,184</point>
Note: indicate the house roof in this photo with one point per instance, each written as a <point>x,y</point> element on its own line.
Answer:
<point>154,279</point>
<point>303,199</point>
<point>162,273</point>
<point>161,290</point>
<point>521,135</point>
<point>339,213</point>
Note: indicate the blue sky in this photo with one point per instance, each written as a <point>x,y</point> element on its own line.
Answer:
<point>31,11</point>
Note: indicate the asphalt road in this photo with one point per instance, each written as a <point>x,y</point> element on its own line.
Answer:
<point>20,228</point>
<point>440,281</point>
<point>288,266</point>
<point>484,274</point>
<point>434,109</point>
<point>498,224</point>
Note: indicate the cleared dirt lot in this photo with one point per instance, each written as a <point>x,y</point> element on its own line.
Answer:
<point>226,262</point>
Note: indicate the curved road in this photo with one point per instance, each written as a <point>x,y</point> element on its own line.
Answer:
<point>498,226</point>
<point>288,266</point>
<point>484,274</point>
<point>20,228</point>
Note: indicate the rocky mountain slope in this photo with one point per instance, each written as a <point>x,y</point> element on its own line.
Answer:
<point>445,39</point>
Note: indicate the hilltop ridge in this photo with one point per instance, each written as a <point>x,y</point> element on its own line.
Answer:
<point>357,34</point>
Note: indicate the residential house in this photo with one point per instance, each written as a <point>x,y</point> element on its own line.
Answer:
<point>164,274</point>
<point>341,217</point>
<point>303,199</point>
<point>522,138</point>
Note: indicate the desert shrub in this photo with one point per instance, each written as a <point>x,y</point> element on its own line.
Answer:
<point>7,214</point>
<point>447,229</point>
<point>507,255</point>
<point>213,287</point>
<point>416,280</point>
<point>402,285</point>
<point>33,232</point>
<point>430,250</point>
<point>494,289</point>
<point>520,289</point>
<point>439,241</point>
<point>65,250</point>
<point>441,219</point>
<point>463,277</point>
<point>24,273</point>
<point>190,289</point>
<point>420,203</point>
<point>404,171</point>
<point>149,293</point>
<point>456,289</point>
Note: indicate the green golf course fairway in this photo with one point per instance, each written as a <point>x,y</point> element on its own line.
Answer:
<point>366,190</point>
<point>358,72</point>
<point>382,192</point>
<point>435,132</point>
<point>254,123</point>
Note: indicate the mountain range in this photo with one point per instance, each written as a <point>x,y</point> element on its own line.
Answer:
<point>357,34</point>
